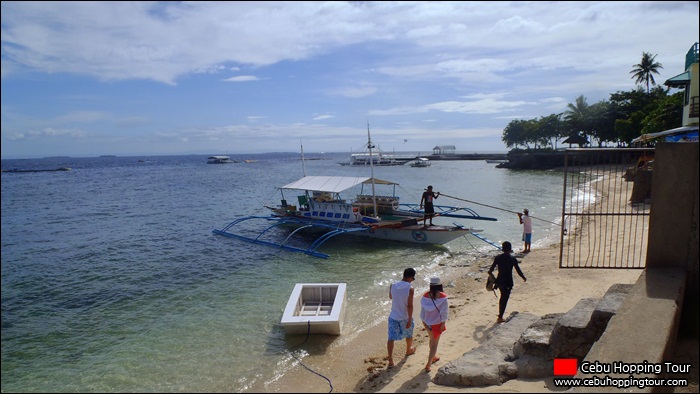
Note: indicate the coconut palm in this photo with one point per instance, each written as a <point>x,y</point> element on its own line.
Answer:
<point>645,70</point>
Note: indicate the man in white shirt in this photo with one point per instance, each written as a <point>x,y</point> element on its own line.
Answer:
<point>526,221</point>
<point>401,316</point>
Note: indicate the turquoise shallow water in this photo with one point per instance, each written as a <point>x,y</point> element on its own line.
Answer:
<point>112,280</point>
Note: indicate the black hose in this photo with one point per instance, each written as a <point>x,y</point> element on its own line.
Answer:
<point>308,333</point>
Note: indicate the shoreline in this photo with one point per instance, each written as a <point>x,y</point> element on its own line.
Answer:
<point>361,365</point>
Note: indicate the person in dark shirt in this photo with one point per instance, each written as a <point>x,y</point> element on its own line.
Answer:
<point>504,281</point>
<point>427,201</point>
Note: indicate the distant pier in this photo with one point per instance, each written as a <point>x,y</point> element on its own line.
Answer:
<point>469,156</point>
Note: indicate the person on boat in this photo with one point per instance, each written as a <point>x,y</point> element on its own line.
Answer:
<point>504,281</point>
<point>401,316</point>
<point>433,314</point>
<point>526,221</point>
<point>427,201</point>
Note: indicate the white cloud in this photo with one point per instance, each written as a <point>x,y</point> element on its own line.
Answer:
<point>48,132</point>
<point>473,104</point>
<point>163,41</point>
<point>143,71</point>
<point>242,78</point>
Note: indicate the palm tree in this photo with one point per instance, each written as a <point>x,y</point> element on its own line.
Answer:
<point>576,117</point>
<point>645,70</point>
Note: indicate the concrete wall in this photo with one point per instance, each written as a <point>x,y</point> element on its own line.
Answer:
<point>673,224</point>
<point>664,301</point>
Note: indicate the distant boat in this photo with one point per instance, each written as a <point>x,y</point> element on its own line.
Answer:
<point>420,162</point>
<point>497,161</point>
<point>377,159</point>
<point>315,308</point>
<point>220,160</point>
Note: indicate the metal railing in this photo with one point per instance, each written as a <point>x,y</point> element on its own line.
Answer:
<point>692,56</point>
<point>606,207</point>
<point>694,109</point>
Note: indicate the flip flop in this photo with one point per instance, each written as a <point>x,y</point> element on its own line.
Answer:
<point>435,359</point>
<point>411,351</point>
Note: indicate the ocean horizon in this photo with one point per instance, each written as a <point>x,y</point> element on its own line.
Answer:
<point>237,155</point>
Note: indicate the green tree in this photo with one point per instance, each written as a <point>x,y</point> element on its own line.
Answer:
<point>645,70</point>
<point>667,114</point>
<point>624,104</point>
<point>549,129</point>
<point>576,117</point>
<point>601,122</point>
<point>534,134</point>
<point>515,133</point>
<point>630,110</point>
<point>626,130</point>
<point>621,119</point>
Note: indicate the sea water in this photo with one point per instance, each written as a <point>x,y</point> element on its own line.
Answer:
<point>112,280</point>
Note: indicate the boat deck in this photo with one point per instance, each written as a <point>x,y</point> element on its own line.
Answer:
<point>316,309</point>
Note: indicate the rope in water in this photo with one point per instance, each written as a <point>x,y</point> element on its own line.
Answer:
<point>491,206</point>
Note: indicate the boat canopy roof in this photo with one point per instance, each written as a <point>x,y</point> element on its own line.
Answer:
<point>678,130</point>
<point>332,184</point>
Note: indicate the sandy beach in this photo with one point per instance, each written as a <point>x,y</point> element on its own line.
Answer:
<point>473,310</point>
<point>361,365</point>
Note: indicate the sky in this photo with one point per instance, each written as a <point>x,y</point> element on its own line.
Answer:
<point>169,78</point>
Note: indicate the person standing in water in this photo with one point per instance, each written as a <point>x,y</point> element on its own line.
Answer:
<point>401,317</point>
<point>526,221</point>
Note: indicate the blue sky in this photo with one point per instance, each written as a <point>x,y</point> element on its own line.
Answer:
<point>162,78</point>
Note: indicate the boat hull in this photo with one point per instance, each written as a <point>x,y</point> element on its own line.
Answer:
<point>315,308</point>
<point>406,230</point>
<point>436,235</point>
<point>420,162</point>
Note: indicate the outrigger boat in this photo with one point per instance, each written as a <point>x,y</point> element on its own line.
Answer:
<point>320,206</point>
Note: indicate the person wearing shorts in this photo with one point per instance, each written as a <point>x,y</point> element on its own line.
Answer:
<point>433,313</point>
<point>526,221</point>
<point>401,324</point>
<point>427,201</point>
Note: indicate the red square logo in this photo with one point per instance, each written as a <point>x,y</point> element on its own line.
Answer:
<point>565,366</point>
